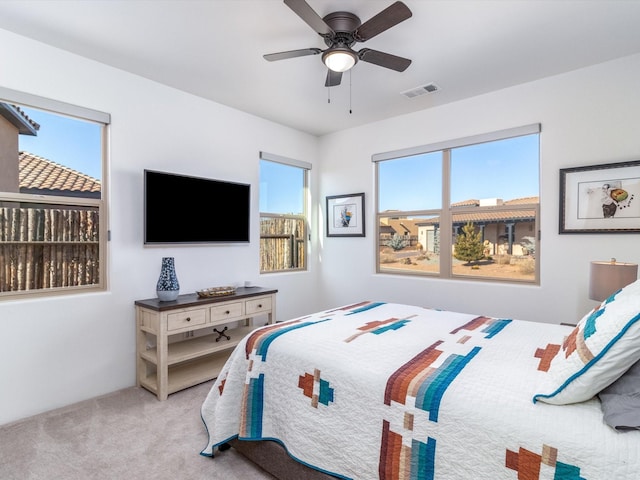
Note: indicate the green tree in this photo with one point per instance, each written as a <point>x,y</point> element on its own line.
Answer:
<point>468,245</point>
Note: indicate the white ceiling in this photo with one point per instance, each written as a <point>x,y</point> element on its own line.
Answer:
<point>214,48</point>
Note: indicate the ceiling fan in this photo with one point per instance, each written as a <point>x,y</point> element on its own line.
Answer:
<point>340,30</point>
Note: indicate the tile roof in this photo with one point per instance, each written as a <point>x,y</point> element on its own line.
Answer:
<point>40,174</point>
<point>472,202</point>
<point>489,215</point>
<point>402,226</point>
<point>19,119</point>
<point>500,216</point>
<point>34,125</point>
<point>520,201</point>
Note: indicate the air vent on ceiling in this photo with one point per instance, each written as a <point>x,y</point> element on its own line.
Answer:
<point>421,90</point>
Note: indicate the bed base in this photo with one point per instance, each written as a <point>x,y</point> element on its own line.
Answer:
<point>273,458</point>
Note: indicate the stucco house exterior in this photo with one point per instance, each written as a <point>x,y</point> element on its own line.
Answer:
<point>503,231</point>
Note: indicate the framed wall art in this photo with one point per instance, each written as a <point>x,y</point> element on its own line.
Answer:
<point>600,198</point>
<point>345,215</point>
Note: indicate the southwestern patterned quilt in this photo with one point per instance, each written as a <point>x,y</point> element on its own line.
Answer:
<point>391,391</point>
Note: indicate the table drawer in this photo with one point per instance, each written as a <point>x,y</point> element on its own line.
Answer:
<point>226,312</point>
<point>186,319</point>
<point>258,305</point>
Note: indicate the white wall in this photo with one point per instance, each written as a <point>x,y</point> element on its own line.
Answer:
<point>57,351</point>
<point>589,116</point>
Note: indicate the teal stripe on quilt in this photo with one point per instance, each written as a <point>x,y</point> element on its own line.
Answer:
<point>432,389</point>
<point>423,459</point>
<point>266,342</point>
<point>567,472</point>
<point>391,326</point>
<point>495,328</point>
<point>365,308</point>
<point>326,393</point>
<point>255,406</point>
<point>590,324</point>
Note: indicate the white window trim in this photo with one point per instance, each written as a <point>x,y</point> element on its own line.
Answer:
<point>62,108</point>
<point>459,142</point>
<point>271,157</point>
<point>285,160</point>
<point>29,100</point>
<point>445,212</point>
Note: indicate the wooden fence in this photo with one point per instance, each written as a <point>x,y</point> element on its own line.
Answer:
<point>48,248</point>
<point>282,243</point>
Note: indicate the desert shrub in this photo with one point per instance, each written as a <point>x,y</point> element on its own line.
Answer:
<point>528,267</point>
<point>397,242</point>
<point>503,259</point>
<point>387,258</point>
<point>529,245</point>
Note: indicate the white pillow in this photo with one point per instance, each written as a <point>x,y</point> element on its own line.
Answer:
<point>598,351</point>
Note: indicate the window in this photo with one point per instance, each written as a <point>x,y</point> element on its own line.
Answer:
<point>465,208</point>
<point>52,196</point>
<point>283,213</point>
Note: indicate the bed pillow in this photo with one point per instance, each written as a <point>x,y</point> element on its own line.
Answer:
<point>598,351</point>
<point>621,401</point>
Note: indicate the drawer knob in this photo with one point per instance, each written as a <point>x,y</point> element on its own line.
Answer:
<point>259,305</point>
<point>188,319</point>
<point>227,312</point>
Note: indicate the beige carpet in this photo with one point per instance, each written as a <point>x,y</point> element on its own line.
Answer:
<point>124,435</point>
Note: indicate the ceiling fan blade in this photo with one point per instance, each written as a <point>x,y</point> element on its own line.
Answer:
<point>333,78</point>
<point>308,14</point>
<point>387,18</point>
<point>386,60</point>
<point>272,57</point>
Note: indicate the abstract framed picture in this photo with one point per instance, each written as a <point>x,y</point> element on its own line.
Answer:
<point>600,198</point>
<point>345,215</point>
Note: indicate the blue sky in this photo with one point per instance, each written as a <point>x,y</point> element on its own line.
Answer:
<point>505,169</point>
<point>281,188</point>
<point>70,142</point>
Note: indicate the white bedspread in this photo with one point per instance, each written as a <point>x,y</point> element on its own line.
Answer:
<point>394,391</point>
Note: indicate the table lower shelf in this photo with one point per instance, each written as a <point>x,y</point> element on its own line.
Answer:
<point>188,374</point>
<point>198,346</point>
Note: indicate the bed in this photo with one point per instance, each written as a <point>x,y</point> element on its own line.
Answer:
<point>393,391</point>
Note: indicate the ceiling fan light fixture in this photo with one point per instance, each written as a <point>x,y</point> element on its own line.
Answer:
<point>339,59</point>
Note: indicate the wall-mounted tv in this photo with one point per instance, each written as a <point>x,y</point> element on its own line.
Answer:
<point>185,209</point>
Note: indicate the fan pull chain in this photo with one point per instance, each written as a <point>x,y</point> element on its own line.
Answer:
<point>328,94</point>
<point>350,112</point>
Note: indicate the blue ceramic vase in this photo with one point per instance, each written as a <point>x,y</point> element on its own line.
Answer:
<point>168,287</point>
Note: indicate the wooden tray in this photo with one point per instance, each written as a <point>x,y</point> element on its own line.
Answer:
<point>216,292</point>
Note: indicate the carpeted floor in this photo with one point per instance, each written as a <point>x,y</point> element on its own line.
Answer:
<point>128,434</point>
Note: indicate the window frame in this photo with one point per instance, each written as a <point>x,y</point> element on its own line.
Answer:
<point>306,169</point>
<point>446,212</point>
<point>101,204</point>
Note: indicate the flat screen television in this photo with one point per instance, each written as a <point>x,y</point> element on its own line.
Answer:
<point>185,209</point>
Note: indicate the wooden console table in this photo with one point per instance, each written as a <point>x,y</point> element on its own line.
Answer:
<point>172,349</point>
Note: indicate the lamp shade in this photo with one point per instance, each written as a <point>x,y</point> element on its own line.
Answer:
<point>339,59</point>
<point>609,277</point>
